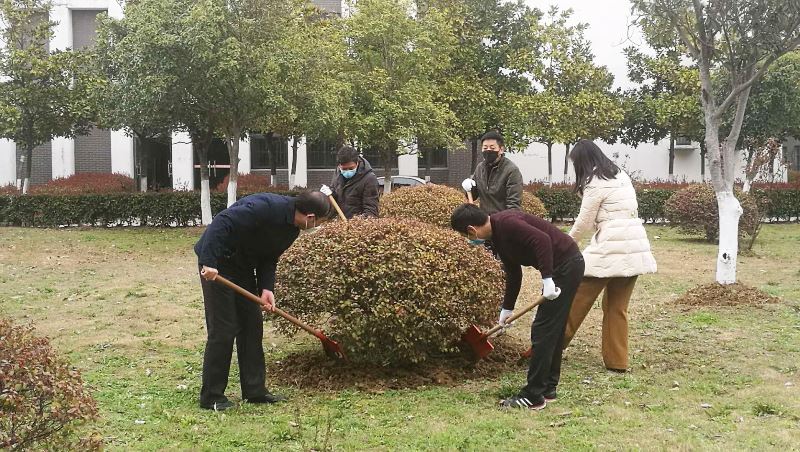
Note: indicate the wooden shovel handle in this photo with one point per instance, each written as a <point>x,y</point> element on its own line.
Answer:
<point>514,317</point>
<point>338,210</point>
<point>469,197</point>
<point>250,296</point>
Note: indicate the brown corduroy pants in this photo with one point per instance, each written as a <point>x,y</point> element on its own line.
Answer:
<point>615,316</point>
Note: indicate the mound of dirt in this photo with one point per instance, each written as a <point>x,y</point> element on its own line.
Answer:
<point>716,294</point>
<point>314,370</point>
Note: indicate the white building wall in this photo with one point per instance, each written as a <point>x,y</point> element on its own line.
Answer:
<point>244,156</point>
<point>8,163</point>
<point>182,162</point>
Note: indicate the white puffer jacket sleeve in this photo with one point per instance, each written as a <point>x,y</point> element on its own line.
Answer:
<point>586,223</point>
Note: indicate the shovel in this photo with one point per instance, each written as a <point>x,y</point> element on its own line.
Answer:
<point>479,342</point>
<point>336,205</point>
<point>331,347</point>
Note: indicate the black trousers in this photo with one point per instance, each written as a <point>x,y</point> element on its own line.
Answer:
<point>547,331</point>
<point>230,317</point>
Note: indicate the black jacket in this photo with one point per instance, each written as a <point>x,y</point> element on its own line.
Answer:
<point>498,186</point>
<point>249,235</point>
<point>359,194</point>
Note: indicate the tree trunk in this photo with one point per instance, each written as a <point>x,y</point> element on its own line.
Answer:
<point>474,161</point>
<point>702,160</point>
<point>233,154</point>
<point>26,177</point>
<point>201,142</point>
<point>550,163</point>
<point>428,163</point>
<point>293,170</point>
<point>729,212</point>
<point>142,157</point>
<point>672,157</point>
<point>566,162</point>
<point>273,161</point>
<point>388,153</point>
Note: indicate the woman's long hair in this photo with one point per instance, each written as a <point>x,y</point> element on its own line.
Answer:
<point>590,162</point>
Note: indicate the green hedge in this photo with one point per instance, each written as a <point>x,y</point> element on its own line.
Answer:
<point>782,202</point>
<point>115,209</point>
<point>183,208</point>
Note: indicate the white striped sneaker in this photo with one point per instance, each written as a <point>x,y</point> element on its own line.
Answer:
<point>519,401</point>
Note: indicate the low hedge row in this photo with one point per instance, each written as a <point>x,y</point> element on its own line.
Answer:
<point>161,209</point>
<point>782,201</point>
<point>183,208</point>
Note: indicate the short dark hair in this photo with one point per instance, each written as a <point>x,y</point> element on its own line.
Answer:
<point>346,154</point>
<point>590,162</point>
<point>313,202</point>
<point>494,135</point>
<point>467,215</point>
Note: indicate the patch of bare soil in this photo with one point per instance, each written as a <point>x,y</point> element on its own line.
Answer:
<point>313,370</point>
<point>716,294</point>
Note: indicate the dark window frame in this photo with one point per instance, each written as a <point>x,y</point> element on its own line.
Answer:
<point>260,157</point>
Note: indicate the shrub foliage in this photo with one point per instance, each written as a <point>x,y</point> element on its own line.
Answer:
<point>694,210</point>
<point>429,203</point>
<point>533,205</point>
<point>42,399</point>
<point>390,290</point>
<point>249,183</point>
<point>86,183</point>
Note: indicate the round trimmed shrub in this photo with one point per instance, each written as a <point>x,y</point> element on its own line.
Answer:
<point>694,210</point>
<point>42,398</point>
<point>391,291</point>
<point>533,205</point>
<point>430,203</point>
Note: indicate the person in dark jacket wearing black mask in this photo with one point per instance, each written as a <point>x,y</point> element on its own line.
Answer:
<point>520,240</point>
<point>243,244</point>
<point>354,185</point>
<point>497,181</point>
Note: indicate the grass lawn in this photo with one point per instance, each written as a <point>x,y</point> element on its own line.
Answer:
<point>125,306</point>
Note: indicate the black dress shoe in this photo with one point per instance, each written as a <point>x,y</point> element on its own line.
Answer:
<point>218,406</point>
<point>267,398</point>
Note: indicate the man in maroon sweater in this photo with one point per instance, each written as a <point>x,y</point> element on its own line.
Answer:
<point>521,239</point>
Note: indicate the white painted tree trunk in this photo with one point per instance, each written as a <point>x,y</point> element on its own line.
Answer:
<point>205,202</point>
<point>232,186</point>
<point>26,183</point>
<point>729,212</point>
<point>291,181</point>
<point>746,186</point>
<point>143,183</point>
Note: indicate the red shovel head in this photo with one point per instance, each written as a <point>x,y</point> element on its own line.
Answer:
<point>332,348</point>
<point>477,341</point>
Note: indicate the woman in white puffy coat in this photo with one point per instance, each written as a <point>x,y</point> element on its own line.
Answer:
<point>617,253</point>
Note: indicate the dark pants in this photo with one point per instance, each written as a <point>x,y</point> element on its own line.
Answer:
<point>231,317</point>
<point>547,331</point>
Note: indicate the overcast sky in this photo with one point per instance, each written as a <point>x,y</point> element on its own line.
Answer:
<point>608,30</point>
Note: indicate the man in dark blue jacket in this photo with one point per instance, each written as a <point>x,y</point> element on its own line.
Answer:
<point>243,243</point>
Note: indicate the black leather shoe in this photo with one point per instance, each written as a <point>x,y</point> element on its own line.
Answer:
<point>267,398</point>
<point>218,406</point>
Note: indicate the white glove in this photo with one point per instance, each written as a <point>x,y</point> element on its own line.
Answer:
<point>549,289</point>
<point>505,314</point>
<point>467,184</point>
<point>326,190</point>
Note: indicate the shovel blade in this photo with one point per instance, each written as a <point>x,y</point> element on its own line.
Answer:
<point>477,341</point>
<point>332,348</point>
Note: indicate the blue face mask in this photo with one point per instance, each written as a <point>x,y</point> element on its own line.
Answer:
<point>347,174</point>
<point>476,241</point>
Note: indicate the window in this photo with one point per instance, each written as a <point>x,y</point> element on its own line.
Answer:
<point>797,157</point>
<point>682,140</point>
<point>375,158</point>
<point>263,147</point>
<point>321,154</point>
<point>436,158</point>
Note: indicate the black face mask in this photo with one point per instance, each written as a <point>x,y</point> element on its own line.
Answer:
<point>490,157</point>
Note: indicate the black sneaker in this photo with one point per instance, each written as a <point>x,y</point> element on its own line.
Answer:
<point>218,406</point>
<point>518,401</point>
<point>550,396</point>
<point>267,398</point>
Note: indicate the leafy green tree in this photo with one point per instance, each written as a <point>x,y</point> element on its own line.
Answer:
<point>743,38</point>
<point>395,60</point>
<point>43,94</point>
